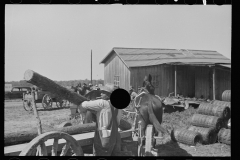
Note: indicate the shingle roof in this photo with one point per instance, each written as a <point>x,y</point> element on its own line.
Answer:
<point>136,57</point>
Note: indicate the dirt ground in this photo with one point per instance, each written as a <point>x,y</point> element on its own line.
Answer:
<point>17,119</point>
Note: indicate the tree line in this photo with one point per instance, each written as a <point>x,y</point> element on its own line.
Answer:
<point>62,83</point>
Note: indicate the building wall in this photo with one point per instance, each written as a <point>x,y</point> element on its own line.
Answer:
<point>164,81</point>
<point>222,81</point>
<point>166,78</point>
<point>192,81</point>
<point>203,82</point>
<point>186,80</point>
<point>115,66</point>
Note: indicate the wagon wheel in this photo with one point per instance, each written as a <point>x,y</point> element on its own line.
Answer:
<point>27,105</point>
<point>46,101</point>
<point>149,140</point>
<point>61,103</point>
<point>31,148</point>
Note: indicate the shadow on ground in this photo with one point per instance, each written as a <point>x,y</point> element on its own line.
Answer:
<point>168,149</point>
<point>171,149</point>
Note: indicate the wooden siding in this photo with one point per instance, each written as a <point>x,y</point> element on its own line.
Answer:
<point>165,79</point>
<point>222,81</point>
<point>115,66</point>
<point>185,81</point>
<point>203,82</point>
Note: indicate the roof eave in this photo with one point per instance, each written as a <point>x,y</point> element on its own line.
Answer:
<point>102,61</point>
<point>117,55</point>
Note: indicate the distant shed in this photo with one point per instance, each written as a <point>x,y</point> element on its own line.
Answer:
<point>191,73</point>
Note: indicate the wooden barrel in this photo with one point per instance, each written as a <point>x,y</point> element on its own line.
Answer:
<point>209,135</point>
<point>206,121</point>
<point>186,136</point>
<point>224,136</point>
<point>224,103</point>
<point>220,111</point>
<point>226,96</point>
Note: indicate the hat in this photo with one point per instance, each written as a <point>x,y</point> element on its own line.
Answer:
<point>90,84</point>
<point>107,87</point>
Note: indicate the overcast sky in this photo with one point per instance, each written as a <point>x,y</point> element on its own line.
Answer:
<point>56,40</point>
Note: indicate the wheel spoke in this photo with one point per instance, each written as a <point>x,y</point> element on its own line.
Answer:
<point>65,149</point>
<point>37,145</point>
<point>44,149</point>
<point>39,150</point>
<point>55,147</point>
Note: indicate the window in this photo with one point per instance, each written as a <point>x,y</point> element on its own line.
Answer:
<point>116,81</point>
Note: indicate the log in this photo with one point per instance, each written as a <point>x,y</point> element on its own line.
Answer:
<point>55,89</point>
<point>27,136</point>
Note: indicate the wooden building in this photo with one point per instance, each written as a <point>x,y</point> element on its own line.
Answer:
<point>191,73</point>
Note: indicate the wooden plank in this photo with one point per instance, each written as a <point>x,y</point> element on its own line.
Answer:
<point>214,94</point>
<point>84,139</point>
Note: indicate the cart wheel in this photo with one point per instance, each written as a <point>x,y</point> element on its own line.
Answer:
<point>47,101</point>
<point>27,105</point>
<point>39,143</point>
<point>149,140</point>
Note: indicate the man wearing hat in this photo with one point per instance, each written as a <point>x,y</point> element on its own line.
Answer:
<point>132,93</point>
<point>90,86</point>
<point>107,140</point>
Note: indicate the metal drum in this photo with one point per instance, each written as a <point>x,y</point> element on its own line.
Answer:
<point>226,96</point>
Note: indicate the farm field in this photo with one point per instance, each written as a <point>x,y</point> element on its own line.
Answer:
<point>16,119</point>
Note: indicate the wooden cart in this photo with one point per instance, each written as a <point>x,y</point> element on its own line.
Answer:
<point>44,97</point>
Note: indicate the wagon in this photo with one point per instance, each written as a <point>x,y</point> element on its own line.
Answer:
<point>42,96</point>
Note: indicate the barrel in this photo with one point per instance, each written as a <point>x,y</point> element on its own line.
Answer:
<point>226,96</point>
<point>186,136</point>
<point>224,103</point>
<point>224,136</point>
<point>206,121</point>
<point>220,111</point>
<point>209,135</point>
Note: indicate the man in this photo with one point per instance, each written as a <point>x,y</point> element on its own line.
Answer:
<point>148,85</point>
<point>90,87</point>
<point>107,140</point>
<point>132,93</point>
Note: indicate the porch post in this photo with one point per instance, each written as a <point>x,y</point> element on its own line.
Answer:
<point>175,73</point>
<point>214,83</point>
